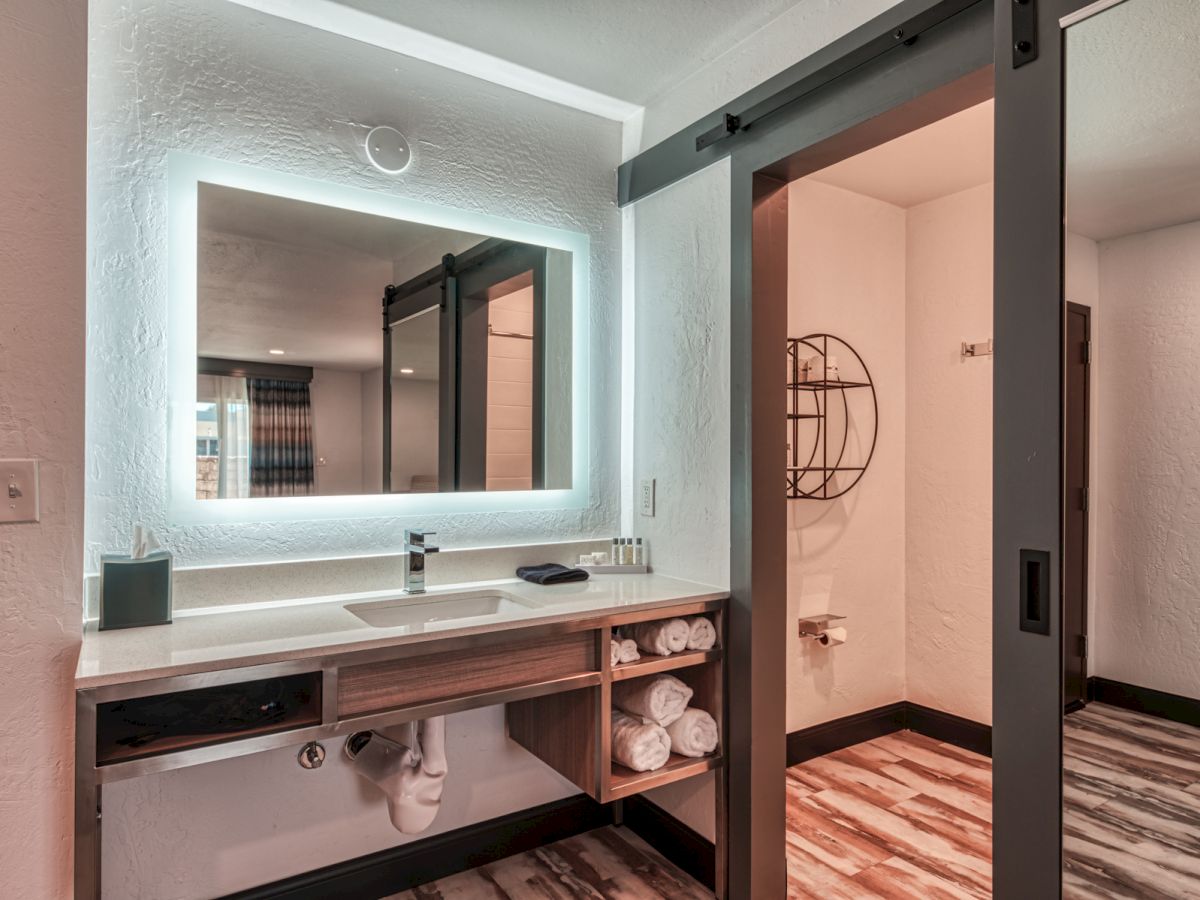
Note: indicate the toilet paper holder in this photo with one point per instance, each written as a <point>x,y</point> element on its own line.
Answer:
<point>816,626</point>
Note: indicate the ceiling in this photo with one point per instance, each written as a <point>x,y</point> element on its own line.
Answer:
<point>634,50</point>
<point>324,229</point>
<point>943,158</point>
<point>1133,142</point>
<point>276,273</point>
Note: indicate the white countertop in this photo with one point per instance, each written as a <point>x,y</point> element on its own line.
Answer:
<point>203,642</point>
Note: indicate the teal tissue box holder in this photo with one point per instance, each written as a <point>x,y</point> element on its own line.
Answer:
<point>135,592</point>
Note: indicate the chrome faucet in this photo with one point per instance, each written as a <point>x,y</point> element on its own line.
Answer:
<point>415,550</point>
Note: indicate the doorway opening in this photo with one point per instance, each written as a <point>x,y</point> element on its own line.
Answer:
<point>885,236</point>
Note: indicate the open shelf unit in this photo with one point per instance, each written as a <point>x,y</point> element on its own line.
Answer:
<point>817,440</point>
<point>572,731</point>
<point>653,665</point>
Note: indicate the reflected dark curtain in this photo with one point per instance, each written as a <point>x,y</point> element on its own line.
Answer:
<point>281,458</point>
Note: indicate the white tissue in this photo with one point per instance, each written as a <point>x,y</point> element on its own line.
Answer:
<point>831,637</point>
<point>144,542</point>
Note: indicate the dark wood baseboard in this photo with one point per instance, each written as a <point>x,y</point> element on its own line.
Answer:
<point>809,743</point>
<point>680,844</point>
<point>1173,707</point>
<point>949,728</point>
<point>409,865</point>
<point>847,731</point>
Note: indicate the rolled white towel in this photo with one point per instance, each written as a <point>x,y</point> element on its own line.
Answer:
<point>629,651</point>
<point>693,734</point>
<point>701,634</point>
<point>641,746</point>
<point>615,651</point>
<point>663,638</point>
<point>661,700</point>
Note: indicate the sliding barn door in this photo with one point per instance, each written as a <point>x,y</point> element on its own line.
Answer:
<point>1028,449</point>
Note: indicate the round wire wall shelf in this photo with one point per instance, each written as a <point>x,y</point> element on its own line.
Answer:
<point>833,417</point>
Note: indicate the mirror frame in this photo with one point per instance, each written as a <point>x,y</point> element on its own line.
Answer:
<point>185,173</point>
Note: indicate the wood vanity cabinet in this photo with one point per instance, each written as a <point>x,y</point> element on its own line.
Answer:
<point>555,680</point>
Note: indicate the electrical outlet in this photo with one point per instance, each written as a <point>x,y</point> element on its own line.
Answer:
<point>646,493</point>
<point>19,490</point>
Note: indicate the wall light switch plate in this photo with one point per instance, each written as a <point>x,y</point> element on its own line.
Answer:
<point>646,495</point>
<point>19,490</point>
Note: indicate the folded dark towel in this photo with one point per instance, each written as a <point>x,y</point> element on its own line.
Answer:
<point>551,573</point>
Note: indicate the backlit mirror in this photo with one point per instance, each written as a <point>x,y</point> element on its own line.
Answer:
<point>1131,560</point>
<point>340,352</point>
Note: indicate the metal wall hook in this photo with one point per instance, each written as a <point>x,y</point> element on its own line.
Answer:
<point>982,348</point>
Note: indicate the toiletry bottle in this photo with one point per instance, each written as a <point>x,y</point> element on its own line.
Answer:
<point>626,552</point>
<point>638,553</point>
<point>615,558</point>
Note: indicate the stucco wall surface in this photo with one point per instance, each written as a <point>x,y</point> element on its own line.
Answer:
<point>215,79</point>
<point>846,263</point>
<point>43,54</point>
<point>948,460</point>
<point>681,406</point>
<point>1146,627</point>
<point>681,409</point>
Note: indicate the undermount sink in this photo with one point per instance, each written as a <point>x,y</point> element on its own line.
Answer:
<point>431,609</point>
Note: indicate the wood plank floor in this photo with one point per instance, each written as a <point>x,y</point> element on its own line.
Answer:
<point>907,818</point>
<point>608,864</point>
<point>1131,826</point>
<point>902,816</point>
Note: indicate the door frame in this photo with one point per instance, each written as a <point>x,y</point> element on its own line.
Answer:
<point>1086,312</point>
<point>912,65</point>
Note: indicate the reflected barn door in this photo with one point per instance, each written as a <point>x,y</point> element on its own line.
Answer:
<point>1077,358</point>
<point>501,308</point>
<point>1028,393</point>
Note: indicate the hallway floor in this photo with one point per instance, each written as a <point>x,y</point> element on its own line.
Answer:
<point>607,864</point>
<point>1132,821</point>
<point>902,816</point>
<point>905,817</point>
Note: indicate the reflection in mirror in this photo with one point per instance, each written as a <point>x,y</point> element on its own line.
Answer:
<point>1131,616</point>
<point>302,388</point>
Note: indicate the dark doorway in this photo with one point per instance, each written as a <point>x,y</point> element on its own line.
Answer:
<point>1077,358</point>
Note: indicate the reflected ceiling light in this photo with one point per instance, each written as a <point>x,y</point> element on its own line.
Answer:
<point>406,371</point>
<point>387,149</point>
<point>275,352</point>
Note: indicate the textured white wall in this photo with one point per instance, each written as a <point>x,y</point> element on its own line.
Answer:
<point>1146,628</point>
<point>948,459</point>
<point>211,830</point>
<point>216,79</point>
<point>846,263</point>
<point>681,411</point>
<point>43,56</point>
<point>681,405</point>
